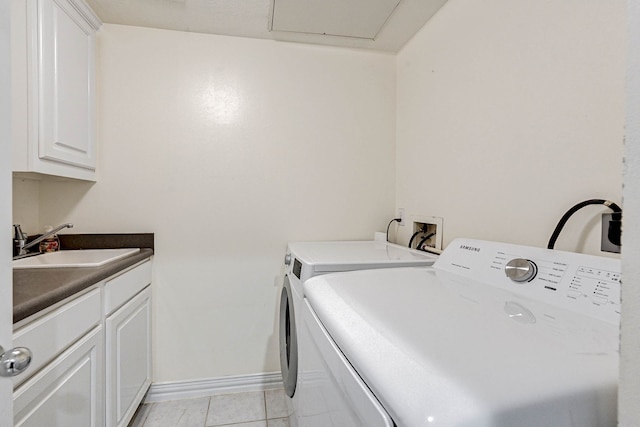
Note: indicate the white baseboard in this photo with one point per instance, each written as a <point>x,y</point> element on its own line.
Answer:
<point>161,392</point>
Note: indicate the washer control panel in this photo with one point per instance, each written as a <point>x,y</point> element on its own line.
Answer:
<point>584,283</point>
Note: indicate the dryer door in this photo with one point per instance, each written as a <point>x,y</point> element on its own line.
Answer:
<point>288,339</point>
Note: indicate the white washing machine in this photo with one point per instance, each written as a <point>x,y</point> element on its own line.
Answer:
<point>492,335</point>
<point>304,260</point>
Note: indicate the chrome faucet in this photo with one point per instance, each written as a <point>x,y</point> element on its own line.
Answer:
<point>20,238</point>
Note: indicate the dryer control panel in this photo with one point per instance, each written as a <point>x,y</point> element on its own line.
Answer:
<point>578,282</point>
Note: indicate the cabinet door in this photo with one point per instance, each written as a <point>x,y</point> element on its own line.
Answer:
<point>62,83</point>
<point>66,392</point>
<point>128,369</point>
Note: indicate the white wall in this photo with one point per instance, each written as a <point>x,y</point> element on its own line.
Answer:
<point>26,205</point>
<point>227,148</point>
<point>629,395</point>
<point>509,113</point>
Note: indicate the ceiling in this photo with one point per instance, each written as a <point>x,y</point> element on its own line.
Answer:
<point>384,25</point>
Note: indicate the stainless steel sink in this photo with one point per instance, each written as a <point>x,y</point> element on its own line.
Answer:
<point>76,258</point>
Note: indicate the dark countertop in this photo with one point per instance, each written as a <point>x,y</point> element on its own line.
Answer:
<point>38,288</point>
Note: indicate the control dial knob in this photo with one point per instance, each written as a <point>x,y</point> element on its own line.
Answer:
<point>287,259</point>
<point>521,270</point>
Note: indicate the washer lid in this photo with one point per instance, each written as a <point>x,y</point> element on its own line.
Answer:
<point>439,350</point>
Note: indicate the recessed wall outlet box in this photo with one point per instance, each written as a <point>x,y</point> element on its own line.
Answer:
<point>611,233</point>
<point>427,232</point>
<point>401,216</point>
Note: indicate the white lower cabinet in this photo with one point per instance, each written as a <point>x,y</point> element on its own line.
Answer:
<point>128,349</point>
<point>92,356</point>
<point>66,392</point>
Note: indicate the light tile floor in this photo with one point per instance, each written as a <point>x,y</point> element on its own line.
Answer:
<point>251,409</point>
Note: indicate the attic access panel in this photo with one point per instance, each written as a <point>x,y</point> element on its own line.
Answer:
<point>353,18</point>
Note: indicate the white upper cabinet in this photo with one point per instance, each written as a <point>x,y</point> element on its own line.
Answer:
<point>54,88</point>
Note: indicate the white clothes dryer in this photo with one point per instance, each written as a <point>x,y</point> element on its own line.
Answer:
<point>493,335</point>
<point>304,260</point>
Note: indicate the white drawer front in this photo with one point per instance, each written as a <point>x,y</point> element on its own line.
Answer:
<point>49,335</point>
<point>120,289</point>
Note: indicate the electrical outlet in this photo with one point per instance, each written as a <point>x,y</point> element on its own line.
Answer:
<point>427,232</point>
<point>401,216</point>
